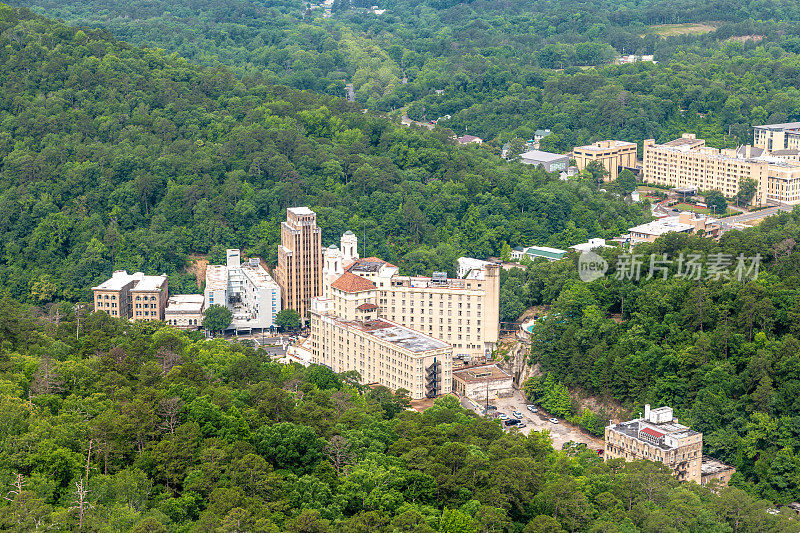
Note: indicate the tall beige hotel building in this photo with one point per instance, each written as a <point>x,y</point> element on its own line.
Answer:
<point>299,270</point>
<point>401,331</point>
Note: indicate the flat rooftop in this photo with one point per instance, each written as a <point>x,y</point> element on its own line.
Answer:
<point>784,126</point>
<point>604,145</point>
<point>185,303</point>
<point>661,227</point>
<point>545,251</point>
<point>632,428</point>
<point>538,155</point>
<point>149,283</point>
<point>300,211</point>
<point>401,336</point>
<point>684,142</point>
<point>710,466</point>
<point>258,276</point>
<point>119,279</point>
<point>480,374</point>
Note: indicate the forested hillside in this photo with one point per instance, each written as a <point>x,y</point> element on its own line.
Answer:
<point>136,427</point>
<point>500,69</point>
<point>724,353</point>
<point>116,157</point>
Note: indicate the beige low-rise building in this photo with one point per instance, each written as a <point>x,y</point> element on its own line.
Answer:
<point>482,382</point>
<point>687,162</point>
<point>711,470</point>
<point>658,437</point>
<point>685,222</point>
<point>185,311</point>
<point>614,155</point>
<point>133,296</point>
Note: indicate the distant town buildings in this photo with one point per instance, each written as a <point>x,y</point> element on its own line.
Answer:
<point>549,161</point>
<point>614,155</point>
<point>469,139</point>
<point>685,222</point>
<point>632,58</point>
<point>246,289</point>
<point>299,270</point>
<point>534,252</point>
<point>185,311</point>
<point>658,437</point>
<point>133,296</point>
<point>592,244</point>
<point>687,162</point>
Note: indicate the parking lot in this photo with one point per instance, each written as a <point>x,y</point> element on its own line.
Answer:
<point>560,433</point>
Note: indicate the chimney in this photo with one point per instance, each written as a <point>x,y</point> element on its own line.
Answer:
<point>647,411</point>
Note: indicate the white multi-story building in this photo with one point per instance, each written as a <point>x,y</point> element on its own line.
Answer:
<point>246,289</point>
<point>469,266</point>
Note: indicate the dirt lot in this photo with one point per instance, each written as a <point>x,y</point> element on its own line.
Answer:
<point>560,433</point>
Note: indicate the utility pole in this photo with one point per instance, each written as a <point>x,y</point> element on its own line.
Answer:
<point>77,307</point>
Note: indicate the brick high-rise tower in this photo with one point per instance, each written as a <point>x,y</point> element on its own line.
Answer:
<point>299,271</point>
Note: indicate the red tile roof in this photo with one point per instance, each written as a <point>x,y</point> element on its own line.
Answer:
<point>367,307</point>
<point>653,433</point>
<point>374,260</point>
<point>348,282</point>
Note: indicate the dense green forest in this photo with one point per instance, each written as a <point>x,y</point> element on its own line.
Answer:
<point>500,70</point>
<point>116,157</point>
<point>137,427</point>
<point>724,353</point>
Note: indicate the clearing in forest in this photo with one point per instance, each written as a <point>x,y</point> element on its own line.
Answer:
<point>671,30</point>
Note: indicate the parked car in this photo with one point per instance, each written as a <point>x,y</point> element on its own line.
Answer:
<point>511,422</point>
<point>502,416</point>
<point>517,414</point>
<point>533,409</point>
<point>491,407</point>
<point>521,424</point>
<point>554,420</point>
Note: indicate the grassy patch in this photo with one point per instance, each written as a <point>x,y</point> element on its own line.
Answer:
<point>702,210</point>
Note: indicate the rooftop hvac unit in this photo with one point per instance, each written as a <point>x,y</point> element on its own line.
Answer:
<point>439,278</point>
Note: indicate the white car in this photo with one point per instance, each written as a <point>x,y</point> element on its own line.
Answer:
<point>554,420</point>
<point>533,409</point>
<point>502,416</point>
<point>517,415</point>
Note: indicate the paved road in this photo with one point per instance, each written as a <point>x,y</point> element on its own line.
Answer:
<point>744,217</point>
<point>560,433</point>
<point>351,93</point>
